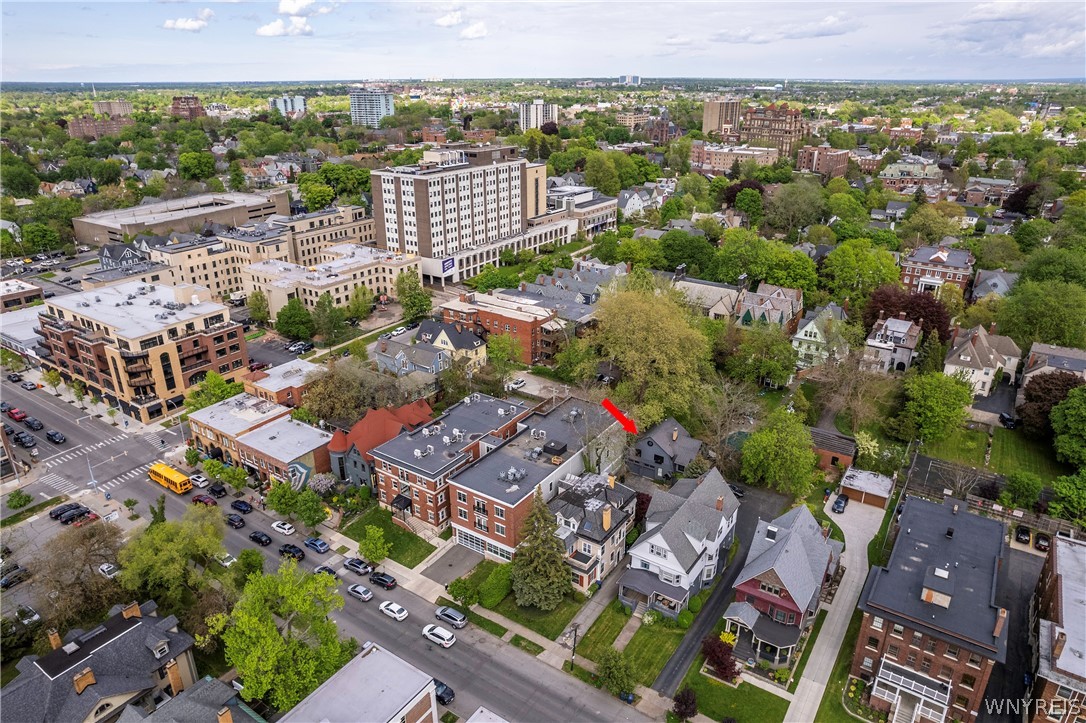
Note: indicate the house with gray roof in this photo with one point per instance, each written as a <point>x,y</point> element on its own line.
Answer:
<point>778,590</point>
<point>770,304</point>
<point>1058,640</point>
<point>401,359</point>
<point>687,532</point>
<point>818,337</point>
<point>982,357</point>
<point>664,452</point>
<point>998,282</point>
<point>892,344</point>
<point>134,658</point>
<point>594,512</point>
<point>458,340</point>
<point>209,699</point>
<point>1048,358</point>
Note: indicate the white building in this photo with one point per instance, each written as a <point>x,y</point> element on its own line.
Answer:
<point>816,339</point>
<point>536,113</point>
<point>288,104</point>
<point>368,107</point>
<point>980,357</point>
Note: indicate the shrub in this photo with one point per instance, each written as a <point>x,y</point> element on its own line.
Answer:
<point>781,675</point>
<point>18,499</point>
<point>695,605</point>
<point>718,655</point>
<point>686,619</point>
<point>497,585</point>
<point>631,537</point>
<point>462,592</point>
<point>686,703</point>
<point>615,673</point>
<point>650,617</point>
<point>628,609</point>
<point>728,638</point>
<point>617,606</point>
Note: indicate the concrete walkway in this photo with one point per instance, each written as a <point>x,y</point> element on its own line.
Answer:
<point>626,633</point>
<point>860,523</point>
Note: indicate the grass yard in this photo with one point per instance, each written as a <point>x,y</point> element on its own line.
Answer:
<point>770,399</point>
<point>481,572</point>
<point>584,674</point>
<point>47,275</point>
<point>602,634</point>
<point>876,556</point>
<point>815,505</point>
<point>807,648</point>
<point>27,512</point>
<point>1013,451</point>
<point>253,336</point>
<point>408,549</point>
<point>832,710</point>
<point>965,446</point>
<point>473,617</point>
<point>743,703</point>
<point>649,650</point>
<point>548,624</point>
<point>526,645</point>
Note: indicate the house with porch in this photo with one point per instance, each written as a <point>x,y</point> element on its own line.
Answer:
<point>892,344</point>
<point>401,359</point>
<point>770,304</point>
<point>663,453</point>
<point>687,531</point>
<point>983,358</point>
<point>777,592</point>
<point>818,338</point>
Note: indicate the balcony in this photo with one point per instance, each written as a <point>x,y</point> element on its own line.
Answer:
<point>138,367</point>
<point>54,323</point>
<point>126,354</point>
<point>186,353</point>
<point>915,682</point>
<point>196,365</point>
<point>480,509</point>
<point>141,380</point>
<point>142,399</point>
<point>481,526</point>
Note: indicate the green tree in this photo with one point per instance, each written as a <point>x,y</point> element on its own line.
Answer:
<point>856,268</point>
<point>52,378</point>
<point>749,201</point>
<point>1033,233</point>
<point>294,321</point>
<point>237,177</point>
<point>79,391</point>
<point>503,355</point>
<point>796,205</point>
<point>929,226</point>
<point>490,278</point>
<point>250,562</point>
<point>212,390</point>
<point>283,499</point>
<point>846,208</point>
<point>540,576</point>
<point>40,237</point>
<point>281,637</point>
<point>1056,264</point>
<point>935,405</point>
<point>357,349</point>
<point>213,468</point>
<point>234,477</point>
<point>316,195</point>
<point>328,319</point>
<point>414,299</point>
<point>258,307</point>
<point>600,172</point>
<point>931,355</point>
<point>672,208</point>
<point>780,454</point>
<point>196,166</point>
<point>1050,312</point>
<point>192,456</point>
<point>373,546</point>
<point>765,355</point>
<point>310,509</point>
<point>157,510</point>
<point>360,305</point>
<point>1023,490</point>
<point>678,155</point>
<point>615,672</point>
<point>577,361</point>
<point>1068,420</point>
<point>1069,501</point>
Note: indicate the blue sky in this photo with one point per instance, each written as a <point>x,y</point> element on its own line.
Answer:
<point>331,39</point>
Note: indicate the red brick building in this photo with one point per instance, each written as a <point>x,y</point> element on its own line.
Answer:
<point>833,449</point>
<point>94,128</point>
<point>283,384</point>
<point>823,160</point>
<point>537,331</point>
<point>774,125</point>
<point>187,107</point>
<point>1058,635</point>
<point>927,268</point>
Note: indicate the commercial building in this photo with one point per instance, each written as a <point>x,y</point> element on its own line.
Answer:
<point>931,631</point>
<point>284,384</point>
<point>1057,617</point>
<point>216,428</point>
<point>629,80</point>
<point>187,107</point>
<point>146,272</point>
<point>17,294</point>
<point>720,158</point>
<point>115,108</point>
<point>721,116</point>
<point>594,513</point>
<point>823,160</point>
<point>632,119</point>
<point>285,450</point>
<point>368,107</point>
<point>536,330</point>
<point>182,214</point>
<point>19,333</point>
<point>774,125</point>
<point>536,113</point>
<point>593,211</point>
<point>87,127</point>
<point>141,346</point>
<point>287,104</point>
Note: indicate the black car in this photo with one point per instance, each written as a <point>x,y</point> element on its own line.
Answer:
<point>358,565</point>
<point>13,578</point>
<point>32,423</point>
<point>737,490</point>
<point>56,512</point>
<point>1007,420</point>
<point>8,429</point>
<point>13,377</point>
<point>260,538</point>
<point>216,490</point>
<point>241,506</point>
<point>55,437</point>
<point>1042,542</point>
<point>49,294</point>
<point>840,503</point>
<point>1022,535</point>
<point>4,407</point>
<point>67,270</point>
<point>65,280</point>
<point>443,693</point>
<point>289,550</point>
<point>307,346</point>
<point>74,515</point>
<point>25,440</point>
<point>235,521</point>
<point>383,579</point>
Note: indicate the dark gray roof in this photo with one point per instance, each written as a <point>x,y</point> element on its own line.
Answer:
<point>568,310</point>
<point>1055,357</point>
<point>465,338</point>
<point>971,558</point>
<point>996,281</point>
<point>197,704</point>
<point>827,311</point>
<point>832,441</point>
<point>583,499</point>
<point>121,654</point>
<point>682,450</point>
<point>955,258</point>
<point>678,520</point>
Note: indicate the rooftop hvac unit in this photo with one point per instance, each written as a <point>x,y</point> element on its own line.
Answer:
<point>446,440</point>
<point>429,449</point>
<point>418,454</point>
<point>425,431</point>
<point>456,432</point>
<point>501,411</point>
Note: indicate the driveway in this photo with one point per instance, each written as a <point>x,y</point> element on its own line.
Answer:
<point>1000,400</point>
<point>456,562</point>
<point>860,523</point>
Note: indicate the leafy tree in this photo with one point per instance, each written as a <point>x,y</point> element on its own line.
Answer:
<point>540,576</point>
<point>672,208</point>
<point>490,278</point>
<point>935,405</point>
<point>846,208</point>
<point>780,454</point>
<point>600,172</point>
<point>360,305</point>
<point>250,562</point>
<point>919,307</point>
<point>212,390</point>
<point>931,355</point>
<point>192,456</point>
<point>237,177</point>
<point>158,511</point>
<point>686,703</point>
<point>280,635</point>
<point>503,354</point>
<point>234,477</point>
<point>310,509</point>
<point>40,237</point>
<point>856,268</point>
<point>414,299</point>
<point>373,546</point>
<point>294,321</point>
<point>357,349</point>
<point>52,378</point>
<point>796,205</point>
<point>614,670</point>
<point>1023,490</point>
<point>577,361</point>
<point>328,319</point>
<point>1050,312</point>
<point>765,355</point>
<point>723,407</point>
<point>316,195</point>
<point>929,226</point>
<point>1055,264</point>
<point>729,192</point>
<point>718,655</point>
<point>258,307</point>
<point>679,247</point>
<point>283,499</point>
<point>213,468</point>
<point>68,563</point>
<point>1068,419</point>
<point>196,166</point>
<point>322,483</point>
<point>1069,501</point>
<point>678,155</point>
<point>749,202</point>
<point>1033,233</point>
<point>343,393</point>
<point>463,592</point>
<point>1041,394</point>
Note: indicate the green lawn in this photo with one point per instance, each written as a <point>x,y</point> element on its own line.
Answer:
<point>964,446</point>
<point>449,717</point>
<point>47,275</point>
<point>27,512</point>
<point>876,556</point>
<point>602,634</point>
<point>473,617</point>
<point>745,703</point>
<point>481,572</point>
<point>526,645</point>
<point>1013,451</point>
<point>548,624</point>
<point>770,399</point>
<point>807,648</point>
<point>649,650</point>
<point>408,549</point>
<point>832,710</point>
<point>815,505</point>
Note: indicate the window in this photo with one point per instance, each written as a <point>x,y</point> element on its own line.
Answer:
<point>771,589</point>
<point>873,643</point>
<point>462,513</point>
<point>500,529</point>
<point>866,665</point>
<point>644,564</point>
<point>876,623</point>
<point>917,639</point>
<point>897,631</point>
<point>969,681</point>
<point>929,647</point>
<point>946,673</point>
<point>658,551</point>
<point>893,651</point>
<point>162,650</point>
<point>779,616</point>
<point>974,660</point>
<point>1061,692</point>
<point>911,660</point>
<point>461,497</point>
<point>586,548</point>
<point>102,709</point>
<point>952,651</point>
<point>960,701</point>
<point>925,665</point>
<point>499,512</point>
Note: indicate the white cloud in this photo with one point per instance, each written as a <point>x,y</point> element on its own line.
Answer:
<point>304,8</point>
<point>449,20</point>
<point>277,28</point>
<point>474,31</point>
<point>677,40</point>
<point>826,27</point>
<point>192,25</point>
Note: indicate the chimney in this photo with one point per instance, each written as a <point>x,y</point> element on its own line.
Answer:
<point>901,315</point>
<point>131,610</point>
<point>675,434</point>
<point>1058,643</point>
<point>1001,619</point>
<point>845,305</point>
<point>720,503</point>
<point>54,638</point>
<point>223,716</point>
<point>825,532</point>
<point>882,314</point>
<point>611,481</point>
<point>174,674</point>
<point>607,517</point>
<point>992,328</point>
<point>459,327</point>
<point>384,345</point>
<point>83,679</point>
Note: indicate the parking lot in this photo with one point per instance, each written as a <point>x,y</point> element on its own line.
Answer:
<point>271,349</point>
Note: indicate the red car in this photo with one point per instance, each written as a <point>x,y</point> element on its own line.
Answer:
<point>85,519</point>
<point>17,414</point>
<point>204,500</point>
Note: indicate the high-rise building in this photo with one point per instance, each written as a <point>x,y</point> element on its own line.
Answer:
<point>93,128</point>
<point>115,108</point>
<point>774,125</point>
<point>721,115</point>
<point>288,104</point>
<point>187,107</point>
<point>368,107</point>
<point>536,113</point>
<point>629,80</point>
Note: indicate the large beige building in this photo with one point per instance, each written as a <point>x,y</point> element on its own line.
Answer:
<point>631,119</point>
<point>141,346</point>
<point>720,158</point>
<point>721,115</point>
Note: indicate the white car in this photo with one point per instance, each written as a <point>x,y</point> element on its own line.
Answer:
<point>393,610</point>
<point>285,527</point>
<point>439,635</point>
<point>198,480</point>
<point>83,249</point>
<point>515,384</point>
<point>225,559</point>
<point>399,330</point>
<point>109,570</point>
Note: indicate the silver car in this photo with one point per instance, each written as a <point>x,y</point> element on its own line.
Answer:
<point>360,592</point>
<point>451,616</point>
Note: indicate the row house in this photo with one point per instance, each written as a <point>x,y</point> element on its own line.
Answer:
<point>910,172</point>
<point>594,513</point>
<point>536,331</point>
<point>892,345</point>
<point>927,268</point>
<point>867,161</point>
<point>931,631</point>
<point>982,357</point>
<point>285,450</point>
<point>350,450</point>
<point>770,304</point>
<point>1058,634</point>
<point>980,191</point>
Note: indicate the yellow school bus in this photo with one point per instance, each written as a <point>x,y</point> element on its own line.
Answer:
<point>170,478</point>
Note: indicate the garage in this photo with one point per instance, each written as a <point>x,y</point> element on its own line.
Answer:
<point>868,488</point>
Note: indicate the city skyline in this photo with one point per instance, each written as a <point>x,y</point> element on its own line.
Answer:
<point>292,40</point>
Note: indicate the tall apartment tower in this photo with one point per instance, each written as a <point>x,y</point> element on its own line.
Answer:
<point>536,113</point>
<point>368,107</point>
<point>115,108</point>
<point>774,125</point>
<point>721,114</point>
<point>288,104</point>
<point>187,107</point>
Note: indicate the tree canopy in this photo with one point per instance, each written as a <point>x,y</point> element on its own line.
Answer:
<point>540,575</point>
<point>213,389</point>
<point>780,454</point>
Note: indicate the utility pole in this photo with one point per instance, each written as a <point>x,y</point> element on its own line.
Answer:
<point>573,652</point>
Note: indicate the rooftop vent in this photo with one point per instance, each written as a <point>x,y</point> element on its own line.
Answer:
<point>771,533</point>
<point>950,533</point>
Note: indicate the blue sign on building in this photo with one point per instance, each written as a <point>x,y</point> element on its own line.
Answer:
<point>447,265</point>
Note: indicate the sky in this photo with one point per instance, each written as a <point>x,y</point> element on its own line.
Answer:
<point>284,40</point>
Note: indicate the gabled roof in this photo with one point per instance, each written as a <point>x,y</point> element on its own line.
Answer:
<point>820,315</point>
<point>977,349</point>
<point>678,520</point>
<point>1056,357</point>
<point>460,335</point>
<point>200,702</point>
<point>833,442</point>
<point>996,281</point>
<point>683,449</point>
<point>584,498</point>
<point>942,255</point>
<point>378,426</point>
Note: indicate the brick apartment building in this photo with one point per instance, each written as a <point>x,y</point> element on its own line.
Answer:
<point>927,268</point>
<point>823,160</point>
<point>88,127</point>
<point>720,158</point>
<point>17,294</point>
<point>931,632</point>
<point>1058,634</point>
<point>284,384</point>
<point>632,119</point>
<point>537,331</point>
<point>187,107</point>
<point>141,346</point>
<point>115,108</point>
<point>774,125</point>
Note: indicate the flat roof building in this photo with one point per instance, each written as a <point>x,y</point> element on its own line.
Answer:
<point>17,294</point>
<point>287,450</point>
<point>368,107</point>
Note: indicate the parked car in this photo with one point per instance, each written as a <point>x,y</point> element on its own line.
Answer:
<point>86,519</point>
<point>13,377</point>
<point>260,538</point>
<point>737,491</point>
<point>47,295</point>
<point>56,512</point>
<point>108,569</point>
<point>225,559</point>
<point>325,570</point>
<point>72,515</point>
<point>17,414</point>
<point>205,501</point>
<point>241,506</point>
<point>13,578</point>
<point>452,616</point>
<point>8,429</point>
<point>83,249</point>
<point>515,384</point>
<point>198,480</point>
<point>29,386</point>
<point>443,693</point>
<point>283,527</point>
<point>289,550</point>
<point>1007,420</point>
<point>439,635</point>
<point>295,347</point>
<point>399,330</point>
<point>840,503</point>
<point>27,615</point>
<point>55,437</point>
<point>33,423</point>
<point>25,440</point>
<point>235,521</point>
<point>1023,535</point>
<point>1042,542</point>
<point>307,346</point>
<point>217,490</point>
<point>394,611</point>
<point>358,566</point>
<point>317,545</point>
<point>257,366</point>
<point>360,592</point>
<point>5,407</point>
<point>383,579</point>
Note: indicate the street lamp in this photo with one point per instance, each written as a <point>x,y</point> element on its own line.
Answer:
<point>573,652</point>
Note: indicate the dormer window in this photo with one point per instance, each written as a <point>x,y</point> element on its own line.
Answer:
<point>162,650</point>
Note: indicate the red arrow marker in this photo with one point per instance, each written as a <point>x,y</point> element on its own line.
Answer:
<point>628,424</point>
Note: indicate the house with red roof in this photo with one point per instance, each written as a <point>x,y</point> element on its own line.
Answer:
<point>350,450</point>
